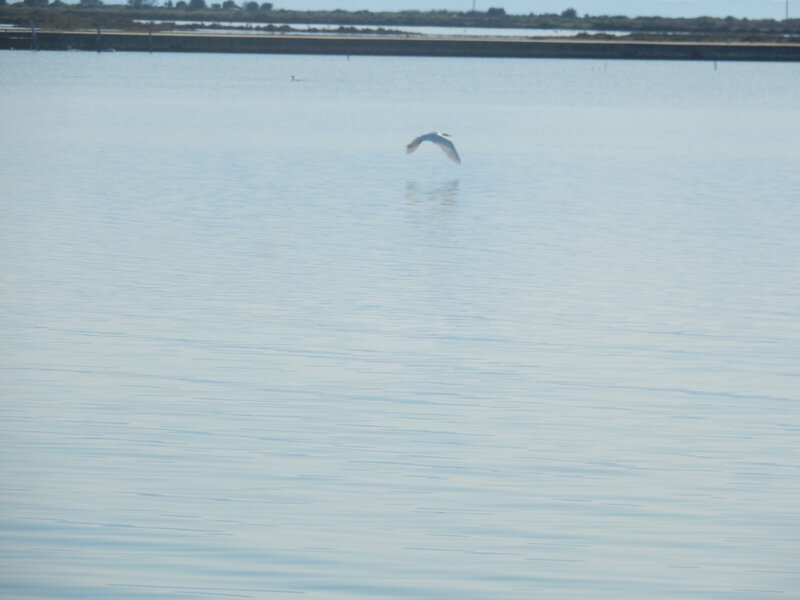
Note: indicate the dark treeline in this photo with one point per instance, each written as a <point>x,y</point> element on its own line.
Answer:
<point>93,12</point>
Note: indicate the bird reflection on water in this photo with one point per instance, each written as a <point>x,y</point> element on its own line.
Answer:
<point>442,194</point>
<point>431,198</point>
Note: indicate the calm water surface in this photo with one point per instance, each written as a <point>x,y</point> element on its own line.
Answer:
<point>250,349</point>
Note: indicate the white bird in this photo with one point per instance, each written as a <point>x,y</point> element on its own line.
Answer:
<point>438,138</point>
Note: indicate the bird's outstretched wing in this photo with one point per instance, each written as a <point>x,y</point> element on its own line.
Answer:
<point>449,149</point>
<point>414,144</point>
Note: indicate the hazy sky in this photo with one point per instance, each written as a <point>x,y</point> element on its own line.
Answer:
<point>752,9</point>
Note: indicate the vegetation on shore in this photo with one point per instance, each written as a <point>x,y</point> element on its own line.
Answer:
<point>138,13</point>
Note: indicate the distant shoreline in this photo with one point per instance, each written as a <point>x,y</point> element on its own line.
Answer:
<point>391,45</point>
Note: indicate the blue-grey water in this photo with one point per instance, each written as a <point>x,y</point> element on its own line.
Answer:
<point>251,349</point>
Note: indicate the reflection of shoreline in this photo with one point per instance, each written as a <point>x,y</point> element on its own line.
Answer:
<point>391,45</point>
<point>443,195</point>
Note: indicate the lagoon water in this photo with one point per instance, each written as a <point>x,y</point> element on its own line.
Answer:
<point>250,349</point>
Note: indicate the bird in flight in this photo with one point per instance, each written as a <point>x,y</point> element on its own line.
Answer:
<point>438,138</point>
